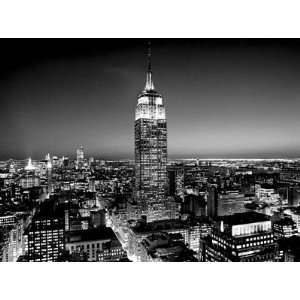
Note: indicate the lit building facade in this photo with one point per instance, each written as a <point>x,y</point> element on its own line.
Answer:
<point>7,220</point>
<point>150,151</point>
<point>111,252</point>
<point>241,237</point>
<point>15,243</point>
<point>190,232</point>
<point>80,157</point>
<point>29,181</point>
<point>175,180</point>
<point>96,244</point>
<point>294,213</point>
<point>29,167</point>
<point>284,228</point>
<point>266,195</point>
<point>45,235</point>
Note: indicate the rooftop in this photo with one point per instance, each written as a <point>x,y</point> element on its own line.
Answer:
<point>49,209</point>
<point>101,233</point>
<point>143,227</point>
<point>284,222</point>
<point>175,251</point>
<point>245,218</point>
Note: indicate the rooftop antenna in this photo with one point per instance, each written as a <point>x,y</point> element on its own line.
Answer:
<point>149,83</point>
<point>149,57</point>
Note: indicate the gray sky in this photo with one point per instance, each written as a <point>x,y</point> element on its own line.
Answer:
<point>225,98</point>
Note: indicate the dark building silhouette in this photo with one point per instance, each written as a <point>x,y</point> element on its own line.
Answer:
<point>293,196</point>
<point>212,202</point>
<point>227,202</point>
<point>175,180</point>
<point>193,205</point>
<point>291,248</point>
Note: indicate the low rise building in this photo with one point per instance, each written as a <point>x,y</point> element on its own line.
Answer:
<point>162,247</point>
<point>99,244</point>
<point>190,231</point>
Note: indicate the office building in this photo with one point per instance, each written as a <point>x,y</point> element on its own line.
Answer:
<point>212,202</point>
<point>294,213</point>
<point>7,219</point>
<point>29,167</point>
<point>293,195</point>
<point>111,252</point>
<point>284,228</point>
<point>150,151</point>
<point>241,237</point>
<point>266,194</point>
<point>45,234</point>
<point>222,203</point>
<point>290,248</point>
<point>29,181</point>
<point>175,180</point>
<point>164,247</point>
<point>97,244</point>
<point>80,157</point>
<point>190,231</point>
<point>15,242</point>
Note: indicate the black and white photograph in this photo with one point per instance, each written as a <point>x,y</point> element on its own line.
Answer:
<point>149,149</point>
<point>161,150</point>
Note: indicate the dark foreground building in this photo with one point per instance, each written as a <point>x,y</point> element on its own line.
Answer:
<point>97,244</point>
<point>290,248</point>
<point>241,237</point>
<point>46,234</point>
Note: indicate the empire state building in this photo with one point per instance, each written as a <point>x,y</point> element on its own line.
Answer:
<point>150,151</point>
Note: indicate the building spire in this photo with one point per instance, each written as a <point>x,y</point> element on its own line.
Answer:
<point>29,166</point>
<point>149,57</point>
<point>149,82</point>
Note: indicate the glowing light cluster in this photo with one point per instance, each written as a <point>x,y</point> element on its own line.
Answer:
<point>29,166</point>
<point>247,229</point>
<point>150,108</point>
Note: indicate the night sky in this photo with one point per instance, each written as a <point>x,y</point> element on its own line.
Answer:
<point>225,98</point>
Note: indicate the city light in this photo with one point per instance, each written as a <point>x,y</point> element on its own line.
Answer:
<point>79,206</point>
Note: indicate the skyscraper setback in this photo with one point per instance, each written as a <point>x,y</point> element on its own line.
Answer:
<point>150,150</point>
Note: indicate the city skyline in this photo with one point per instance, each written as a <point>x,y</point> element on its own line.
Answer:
<point>149,142</point>
<point>225,98</point>
<point>152,209</point>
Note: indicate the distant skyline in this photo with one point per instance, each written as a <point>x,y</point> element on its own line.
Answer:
<point>225,98</point>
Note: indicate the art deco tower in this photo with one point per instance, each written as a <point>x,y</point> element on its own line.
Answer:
<point>150,150</point>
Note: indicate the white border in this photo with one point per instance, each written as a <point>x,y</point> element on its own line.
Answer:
<point>151,18</point>
<point>49,281</point>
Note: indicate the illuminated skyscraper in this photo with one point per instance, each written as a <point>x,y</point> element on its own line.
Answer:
<point>30,166</point>
<point>150,150</point>
<point>80,157</point>
<point>48,160</point>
